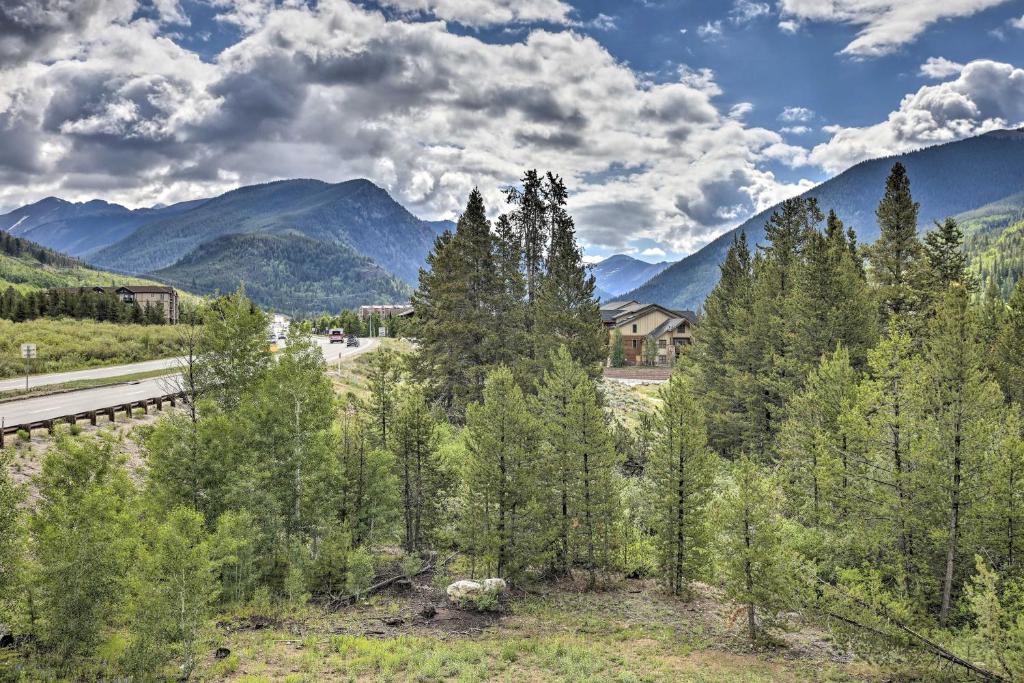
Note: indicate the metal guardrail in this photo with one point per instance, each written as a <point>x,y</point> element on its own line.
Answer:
<point>92,415</point>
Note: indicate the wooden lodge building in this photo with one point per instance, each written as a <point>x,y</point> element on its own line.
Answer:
<point>666,329</point>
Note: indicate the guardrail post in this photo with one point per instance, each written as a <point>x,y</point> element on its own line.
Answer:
<point>92,418</point>
<point>145,406</point>
<point>127,407</point>
<point>49,427</point>
<point>174,401</point>
<point>160,404</point>
<point>111,415</point>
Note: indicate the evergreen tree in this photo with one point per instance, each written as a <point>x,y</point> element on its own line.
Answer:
<point>618,354</point>
<point>759,570</point>
<point>896,259</point>
<point>501,476</point>
<point>384,374</point>
<point>943,247</point>
<point>814,446</point>
<point>881,427</point>
<point>720,372</point>
<point>531,221</point>
<point>455,306</point>
<point>1009,348</point>
<point>414,443</point>
<point>555,394</point>
<point>961,409</point>
<point>12,541</point>
<point>594,503</point>
<point>565,311</point>
<point>682,470</point>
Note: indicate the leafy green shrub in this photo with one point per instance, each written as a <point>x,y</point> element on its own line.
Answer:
<point>24,435</point>
<point>411,565</point>
<point>74,429</point>
<point>484,601</point>
<point>361,572</point>
<point>327,571</point>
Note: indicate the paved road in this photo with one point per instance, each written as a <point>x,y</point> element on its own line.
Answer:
<point>58,405</point>
<point>92,373</point>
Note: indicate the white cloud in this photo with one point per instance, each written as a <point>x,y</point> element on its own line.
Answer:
<point>744,11</point>
<point>654,252</point>
<point>740,110</point>
<point>710,30</point>
<point>938,68</point>
<point>794,114</point>
<point>337,92</point>
<point>885,25</point>
<point>789,26</point>
<point>985,96</point>
<point>1018,23</point>
<point>489,12</point>
<point>795,130</point>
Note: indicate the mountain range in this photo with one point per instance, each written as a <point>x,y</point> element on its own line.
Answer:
<point>374,244</point>
<point>621,273</point>
<point>947,180</point>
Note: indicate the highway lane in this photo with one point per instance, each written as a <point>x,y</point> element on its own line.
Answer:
<point>57,405</point>
<point>14,384</point>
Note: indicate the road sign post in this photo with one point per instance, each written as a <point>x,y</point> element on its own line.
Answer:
<point>28,352</point>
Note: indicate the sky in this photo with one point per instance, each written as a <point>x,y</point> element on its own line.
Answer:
<point>671,121</point>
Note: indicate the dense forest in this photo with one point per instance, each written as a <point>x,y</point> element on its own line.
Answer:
<point>843,443</point>
<point>289,273</point>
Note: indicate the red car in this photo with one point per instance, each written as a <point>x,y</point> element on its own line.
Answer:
<point>337,336</point>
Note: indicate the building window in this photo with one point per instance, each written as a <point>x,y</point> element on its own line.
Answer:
<point>634,341</point>
<point>661,343</point>
<point>634,328</point>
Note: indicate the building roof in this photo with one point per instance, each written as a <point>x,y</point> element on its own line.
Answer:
<point>635,313</point>
<point>146,289</point>
<point>622,308</point>
<point>670,325</point>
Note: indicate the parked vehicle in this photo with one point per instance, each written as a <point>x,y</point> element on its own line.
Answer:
<point>337,336</point>
<point>353,340</point>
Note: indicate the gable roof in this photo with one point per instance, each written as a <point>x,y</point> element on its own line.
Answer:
<point>641,310</point>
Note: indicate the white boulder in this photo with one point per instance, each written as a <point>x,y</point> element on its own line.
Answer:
<point>460,590</point>
<point>495,585</point>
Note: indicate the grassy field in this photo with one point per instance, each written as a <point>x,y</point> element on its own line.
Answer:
<point>76,344</point>
<point>629,632</point>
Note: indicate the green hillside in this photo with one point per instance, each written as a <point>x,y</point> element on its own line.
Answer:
<point>995,242</point>
<point>289,273</point>
<point>28,266</point>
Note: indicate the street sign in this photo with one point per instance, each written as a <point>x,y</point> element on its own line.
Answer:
<point>28,350</point>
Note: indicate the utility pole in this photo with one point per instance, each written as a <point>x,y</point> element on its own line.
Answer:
<point>28,352</point>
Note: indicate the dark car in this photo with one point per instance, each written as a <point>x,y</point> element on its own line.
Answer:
<point>352,340</point>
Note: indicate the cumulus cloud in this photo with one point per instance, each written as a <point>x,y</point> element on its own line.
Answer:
<point>794,114</point>
<point>488,12</point>
<point>938,68</point>
<point>985,96</point>
<point>1018,23</point>
<point>337,91</point>
<point>885,25</point>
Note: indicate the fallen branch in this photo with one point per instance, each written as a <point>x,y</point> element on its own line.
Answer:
<point>352,599</point>
<point>928,644</point>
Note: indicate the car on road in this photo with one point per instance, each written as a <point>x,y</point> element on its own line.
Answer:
<point>352,340</point>
<point>337,336</point>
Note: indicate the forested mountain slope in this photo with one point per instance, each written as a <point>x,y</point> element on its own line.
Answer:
<point>28,266</point>
<point>287,272</point>
<point>946,179</point>
<point>355,213</point>
<point>81,228</point>
<point>995,242</point>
